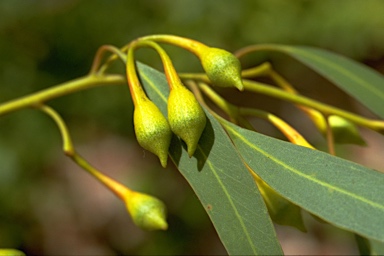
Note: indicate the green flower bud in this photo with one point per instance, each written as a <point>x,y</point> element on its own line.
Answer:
<point>186,117</point>
<point>152,130</point>
<point>11,252</point>
<point>147,212</point>
<point>345,132</point>
<point>222,67</point>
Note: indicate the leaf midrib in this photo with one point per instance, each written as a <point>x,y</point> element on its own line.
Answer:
<point>308,177</point>
<point>339,68</point>
<point>147,79</point>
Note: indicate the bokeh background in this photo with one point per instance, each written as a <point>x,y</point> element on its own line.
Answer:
<point>49,206</point>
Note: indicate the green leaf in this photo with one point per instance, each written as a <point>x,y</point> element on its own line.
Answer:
<point>369,246</point>
<point>376,248</point>
<point>361,82</point>
<point>223,184</point>
<point>341,192</point>
<point>281,211</point>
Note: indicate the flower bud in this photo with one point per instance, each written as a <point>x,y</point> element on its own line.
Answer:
<point>152,130</point>
<point>147,212</point>
<point>222,67</point>
<point>344,131</point>
<point>11,252</point>
<point>186,117</point>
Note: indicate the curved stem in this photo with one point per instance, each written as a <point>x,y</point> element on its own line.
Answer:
<point>188,44</point>
<point>68,147</point>
<point>117,188</point>
<point>169,70</point>
<point>98,56</point>
<point>137,93</point>
<point>253,48</point>
<point>40,97</point>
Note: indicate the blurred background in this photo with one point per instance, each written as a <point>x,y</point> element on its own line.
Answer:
<point>50,206</point>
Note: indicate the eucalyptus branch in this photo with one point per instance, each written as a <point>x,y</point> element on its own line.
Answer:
<point>96,69</point>
<point>330,138</point>
<point>326,109</point>
<point>169,70</point>
<point>66,88</point>
<point>262,88</point>
<point>267,70</point>
<point>236,113</point>
<point>146,211</point>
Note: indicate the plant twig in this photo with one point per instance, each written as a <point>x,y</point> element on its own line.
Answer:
<point>40,97</point>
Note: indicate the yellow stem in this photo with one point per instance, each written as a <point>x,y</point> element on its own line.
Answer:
<point>169,70</point>
<point>188,44</point>
<point>99,54</point>
<point>116,187</point>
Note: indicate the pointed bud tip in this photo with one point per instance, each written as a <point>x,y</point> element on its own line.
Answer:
<point>191,150</point>
<point>163,160</point>
<point>147,212</point>
<point>344,131</point>
<point>152,130</point>
<point>238,83</point>
<point>222,68</point>
<point>11,252</point>
<point>186,117</point>
<point>158,223</point>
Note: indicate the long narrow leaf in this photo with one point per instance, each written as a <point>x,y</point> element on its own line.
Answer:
<point>341,192</point>
<point>361,82</point>
<point>220,180</point>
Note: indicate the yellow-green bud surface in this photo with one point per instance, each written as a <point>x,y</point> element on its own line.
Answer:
<point>222,68</point>
<point>345,132</point>
<point>152,130</point>
<point>186,117</point>
<point>147,212</point>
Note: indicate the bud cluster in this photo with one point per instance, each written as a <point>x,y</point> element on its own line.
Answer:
<point>186,118</point>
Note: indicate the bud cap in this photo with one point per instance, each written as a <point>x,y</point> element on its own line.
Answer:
<point>222,68</point>
<point>152,130</point>
<point>186,117</point>
<point>147,212</point>
<point>345,132</point>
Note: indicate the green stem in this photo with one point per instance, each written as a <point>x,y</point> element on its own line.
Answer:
<point>253,86</point>
<point>228,108</point>
<point>237,113</point>
<point>68,147</point>
<point>40,97</point>
<point>257,87</point>
<point>253,48</point>
<point>260,70</point>
<point>98,57</point>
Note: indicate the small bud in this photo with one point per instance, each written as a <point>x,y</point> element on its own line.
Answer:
<point>222,67</point>
<point>147,212</point>
<point>152,130</point>
<point>186,117</point>
<point>345,132</point>
<point>11,252</point>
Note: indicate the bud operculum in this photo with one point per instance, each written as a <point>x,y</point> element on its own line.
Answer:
<point>152,130</point>
<point>186,117</point>
<point>345,132</point>
<point>147,211</point>
<point>222,67</point>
